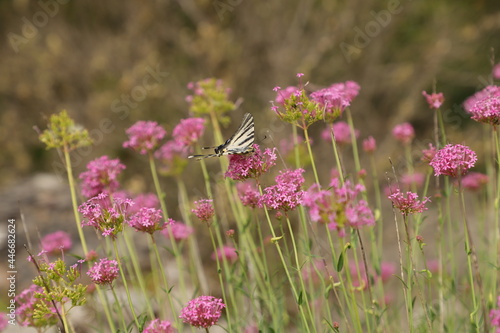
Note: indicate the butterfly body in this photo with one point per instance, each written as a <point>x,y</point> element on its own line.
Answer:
<point>240,143</point>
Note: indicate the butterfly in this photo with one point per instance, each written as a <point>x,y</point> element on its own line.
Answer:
<point>240,143</point>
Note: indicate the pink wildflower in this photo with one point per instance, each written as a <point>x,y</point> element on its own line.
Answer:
<point>435,100</point>
<point>369,144</point>
<point>105,215</point>
<point>428,154</point>
<point>149,200</point>
<point>416,179</point>
<point>453,160</point>
<point>159,326</point>
<point>56,242</point>
<point>180,231</point>
<point>336,98</point>
<point>287,193</point>
<point>203,312</point>
<point>101,176</point>
<point>341,132</point>
<point>4,322</point>
<point>204,210</point>
<point>495,316</point>
<point>27,302</point>
<point>172,157</point>
<point>387,270</point>
<point>144,136</point>
<point>147,220</point>
<point>473,181</point>
<point>408,204</point>
<point>404,133</point>
<point>487,92</point>
<point>104,272</point>
<point>244,166</point>
<point>282,95</point>
<point>227,252</point>
<point>496,71</point>
<point>487,110</point>
<point>188,131</point>
<point>248,194</point>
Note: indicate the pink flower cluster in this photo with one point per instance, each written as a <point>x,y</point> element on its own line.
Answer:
<point>473,181</point>
<point>104,272</point>
<point>204,210</point>
<point>159,326</point>
<point>283,95</point>
<point>495,316</point>
<point>435,100</point>
<point>408,204</point>
<point>487,110</point>
<point>369,144</point>
<point>453,160</point>
<point>203,311</point>
<point>147,220</point>
<point>338,207</point>
<point>56,242</point>
<point>227,252</point>
<point>244,166</point>
<point>105,215</point>
<point>144,136</point>
<point>101,176</point>
<point>487,92</point>
<point>428,154</point>
<point>248,194</point>
<point>188,131</point>
<point>286,194</point>
<point>179,230</point>
<point>26,301</point>
<point>336,98</point>
<point>341,133</point>
<point>404,133</point>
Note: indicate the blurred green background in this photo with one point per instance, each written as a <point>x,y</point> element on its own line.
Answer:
<point>94,57</point>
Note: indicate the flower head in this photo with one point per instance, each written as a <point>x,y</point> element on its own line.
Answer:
<point>495,316</point>
<point>105,215</point>
<point>204,210</point>
<point>283,94</point>
<point>159,326</point>
<point>180,231</point>
<point>147,220</point>
<point>408,204</point>
<point>227,252</point>
<point>210,95</point>
<point>27,301</point>
<point>428,154</point>
<point>341,132</point>
<point>287,193</point>
<point>149,200</point>
<point>336,98</point>
<point>487,110</point>
<point>188,131</point>
<point>172,157</point>
<point>101,176</point>
<point>296,108</point>
<point>496,71</point>
<point>144,136</point>
<point>369,144</point>
<point>244,166</point>
<point>453,160</point>
<point>435,100</point>
<point>104,272</point>
<point>203,311</point>
<point>404,133</point>
<point>249,195</point>
<point>473,181</point>
<point>487,92</point>
<point>56,242</point>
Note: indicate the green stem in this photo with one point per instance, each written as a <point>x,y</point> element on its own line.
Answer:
<point>308,143</point>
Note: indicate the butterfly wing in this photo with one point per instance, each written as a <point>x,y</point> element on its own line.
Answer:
<point>242,140</point>
<point>240,143</point>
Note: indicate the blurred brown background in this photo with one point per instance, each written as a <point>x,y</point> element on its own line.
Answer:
<point>111,63</point>
<point>90,56</point>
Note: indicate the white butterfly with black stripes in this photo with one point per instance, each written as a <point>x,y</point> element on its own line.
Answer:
<point>240,143</point>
